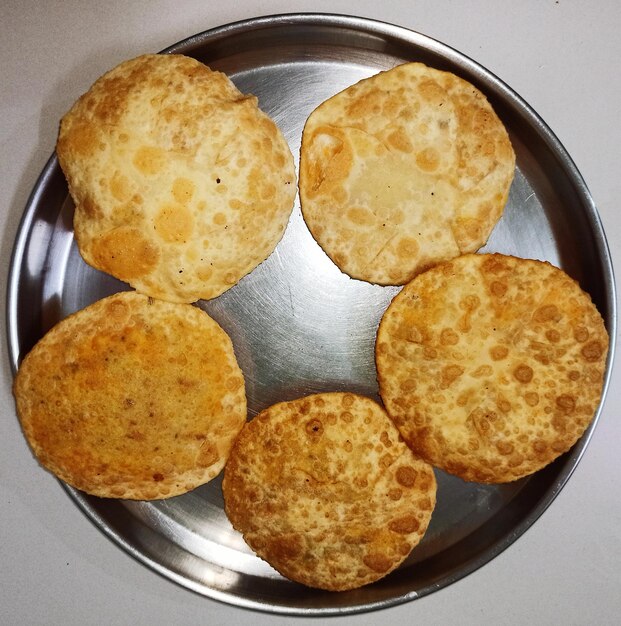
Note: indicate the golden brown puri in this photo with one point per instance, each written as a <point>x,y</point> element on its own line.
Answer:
<point>182,185</point>
<point>491,366</point>
<point>324,489</point>
<point>403,170</point>
<point>132,398</point>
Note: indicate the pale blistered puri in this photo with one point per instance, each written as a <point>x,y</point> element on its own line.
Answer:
<point>403,170</point>
<point>181,184</point>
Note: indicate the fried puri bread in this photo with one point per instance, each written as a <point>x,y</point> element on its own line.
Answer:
<point>403,170</point>
<point>491,366</point>
<point>132,397</point>
<point>324,489</point>
<point>181,184</point>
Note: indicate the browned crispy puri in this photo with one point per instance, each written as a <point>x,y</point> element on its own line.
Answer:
<point>324,489</point>
<point>132,398</point>
<point>491,366</point>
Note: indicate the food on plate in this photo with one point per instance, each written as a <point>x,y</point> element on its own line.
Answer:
<point>403,170</point>
<point>132,397</point>
<point>324,489</point>
<point>491,366</point>
<point>181,184</point>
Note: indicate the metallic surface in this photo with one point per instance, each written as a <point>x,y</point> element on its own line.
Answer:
<point>300,326</point>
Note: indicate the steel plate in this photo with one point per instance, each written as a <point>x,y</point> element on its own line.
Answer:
<point>300,326</point>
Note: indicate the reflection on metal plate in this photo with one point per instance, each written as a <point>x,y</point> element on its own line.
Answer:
<point>301,326</point>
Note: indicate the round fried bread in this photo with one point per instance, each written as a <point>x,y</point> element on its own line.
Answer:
<point>132,398</point>
<point>324,489</point>
<point>181,184</point>
<point>491,366</point>
<point>403,170</point>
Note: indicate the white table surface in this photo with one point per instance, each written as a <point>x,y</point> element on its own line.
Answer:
<point>562,57</point>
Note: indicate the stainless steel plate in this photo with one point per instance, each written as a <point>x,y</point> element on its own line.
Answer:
<point>300,326</point>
